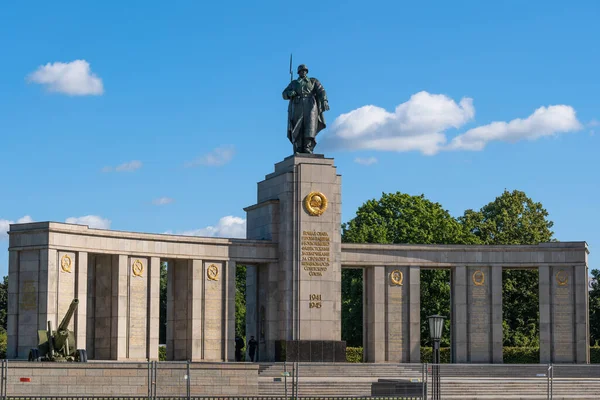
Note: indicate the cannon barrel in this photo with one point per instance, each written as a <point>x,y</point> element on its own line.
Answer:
<point>67,318</point>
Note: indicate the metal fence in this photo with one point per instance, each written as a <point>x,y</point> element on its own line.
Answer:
<point>274,381</point>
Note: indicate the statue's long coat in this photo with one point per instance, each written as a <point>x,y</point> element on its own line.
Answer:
<point>305,113</point>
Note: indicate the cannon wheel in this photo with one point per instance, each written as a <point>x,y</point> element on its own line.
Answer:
<point>34,355</point>
<point>81,355</point>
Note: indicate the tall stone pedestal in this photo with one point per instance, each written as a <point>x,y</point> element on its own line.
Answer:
<point>477,315</point>
<point>392,326</point>
<point>564,315</point>
<point>298,206</point>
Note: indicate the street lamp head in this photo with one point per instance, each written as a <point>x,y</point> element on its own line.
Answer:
<point>436,326</point>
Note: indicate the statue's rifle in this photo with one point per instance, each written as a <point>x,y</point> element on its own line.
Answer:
<point>291,104</point>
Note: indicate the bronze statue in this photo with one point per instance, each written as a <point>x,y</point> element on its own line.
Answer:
<point>308,102</point>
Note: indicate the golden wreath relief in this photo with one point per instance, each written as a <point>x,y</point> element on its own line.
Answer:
<point>396,276</point>
<point>212,272</point>
<point>478,278</point>
<point>137,268</point>
<point>562,278</point>
<point>66,263</point>
<point>315,203</point>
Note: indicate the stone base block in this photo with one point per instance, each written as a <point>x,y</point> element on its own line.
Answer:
<point>397,387</point>
<point>310,350</point>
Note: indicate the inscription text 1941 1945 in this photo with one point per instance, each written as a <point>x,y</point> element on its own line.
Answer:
<point>315,257</point>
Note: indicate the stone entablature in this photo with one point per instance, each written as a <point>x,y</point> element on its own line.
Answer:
<point>446,256</point>
<point>61,236</point>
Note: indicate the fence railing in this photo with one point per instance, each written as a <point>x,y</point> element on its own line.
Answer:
<point>328,381</point>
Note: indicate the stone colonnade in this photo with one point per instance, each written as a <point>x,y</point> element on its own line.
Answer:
<point>392,299</point>
<point>116,278</point>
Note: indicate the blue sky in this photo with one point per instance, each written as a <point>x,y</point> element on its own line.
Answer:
<point>163,116</point>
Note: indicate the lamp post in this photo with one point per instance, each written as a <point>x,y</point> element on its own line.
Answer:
<point>436,327</point>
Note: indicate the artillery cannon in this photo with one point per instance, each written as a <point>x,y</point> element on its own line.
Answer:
<point>59,345</point>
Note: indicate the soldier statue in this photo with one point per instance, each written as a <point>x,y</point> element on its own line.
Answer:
<point>308,102</point>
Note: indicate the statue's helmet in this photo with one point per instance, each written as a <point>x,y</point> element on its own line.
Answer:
<point>302,67</point>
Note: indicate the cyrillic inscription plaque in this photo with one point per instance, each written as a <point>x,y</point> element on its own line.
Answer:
<point>316,252</point>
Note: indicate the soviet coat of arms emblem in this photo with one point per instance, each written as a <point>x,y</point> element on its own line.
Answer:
<point>315,203</point>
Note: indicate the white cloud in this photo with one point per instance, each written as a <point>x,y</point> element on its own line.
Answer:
<point>5,225</point>
<point>92,221</point>
<point>545,121</point>
<point>74,78</point>
<point>229,227</point>
<point>219,156</point>
<point>365,161</point>
<point>422,124</point>
<point>162,201</point>
<point>125,167</point>
<point>417,124</point>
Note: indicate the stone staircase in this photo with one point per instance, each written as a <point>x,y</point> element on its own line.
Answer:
<point>458,381</point>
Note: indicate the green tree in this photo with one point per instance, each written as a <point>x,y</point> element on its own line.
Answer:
<point>513,219</point>
<point>3,302</point>
<point>3,313</point>
<point>240,301</point>
<point>352,306</point>
<point>594,302</point>
<point>402,218</point>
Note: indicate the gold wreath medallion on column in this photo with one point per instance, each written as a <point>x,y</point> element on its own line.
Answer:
<point>137,268</point>
<point>315,203</point>
<point>212,272</point>
<point>66,263</point>
<point>562,278</point>
<point>396,276</point>
<point>478,278</point>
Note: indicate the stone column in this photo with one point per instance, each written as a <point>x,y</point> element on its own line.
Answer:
<point>196,334</point>
<point>214,311</point>
<point>185,333</point>
<point>251,303</point>
<point>172,314</point>
<point>37,294</point>
<point>81,286</point>
<point>458,309</point>
<point>102,271</point>
<point>119,303</point>
<point>154,309</point>
<point>273,307</point>
<point>582,315</point>
<point>91,307</point>
<point>267,312</point>
<point>563,314</point>
<point>230,282</point>
<point>374,315</point>
<point>47,263</point>
<point>403,314</point>
<point>477,334</point>
<point>497,315</point>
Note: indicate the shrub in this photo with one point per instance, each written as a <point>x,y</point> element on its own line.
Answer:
<point>3,339</point>
<point>354,354</point>
<point>427,355</point>
<point>162,353</point>
<point>521,355</point>
<point>595,355</point>
<point>511,355</point>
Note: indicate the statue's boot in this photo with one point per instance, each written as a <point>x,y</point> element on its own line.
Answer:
<point>309,144</point>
